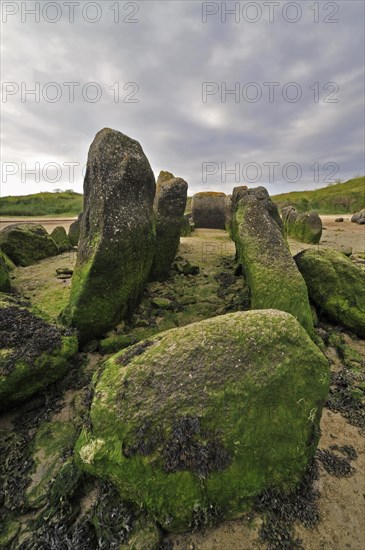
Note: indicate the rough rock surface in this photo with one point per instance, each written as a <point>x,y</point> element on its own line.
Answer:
<point>61,239</point>
<point>208,210</point>
<point>170,204</point>
<point>74,231</point>
<point>117,239</point>
<point>359,217</point>
<point>306,228</point>
<point>205,417</point>
<point>271,272</point>
<point>33,353</point>
<point>336,286</point>
<point>163,177</point>
<point>27,243</point>
<point>4,273</point>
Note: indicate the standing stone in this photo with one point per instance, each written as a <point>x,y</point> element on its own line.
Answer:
<point>170,204</point>
<point>162,177</point>
<point>117,238</point>
<point>262,250</point>
<point>74,231</point>
<point>306,228</point>
<point>209,210</point>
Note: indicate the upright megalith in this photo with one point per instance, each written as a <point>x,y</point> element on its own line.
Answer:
<point>74,231</point>
<point>164,176</point>
<point>209,210</point>
<point>271,272</point>
<point>117,238</point>
<point>170,204</point>
<point>306,228</point>
<point>61,239</point>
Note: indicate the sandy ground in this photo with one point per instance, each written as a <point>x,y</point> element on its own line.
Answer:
<point>335,235</point>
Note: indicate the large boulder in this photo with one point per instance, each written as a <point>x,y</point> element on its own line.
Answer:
<point>306,228</point>
<point>33,353</point>
<point>117,239</point>
<point>61,239</point>
<point>209,210</point>
<point>170,204</point>
<point>206,417</point>
<point>27,243</point>
<point>271,272</point>
<point>336,286</point>
<point>359,217</point>
<point>74,231</point>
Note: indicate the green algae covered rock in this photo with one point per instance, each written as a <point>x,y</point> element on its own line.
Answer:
<point>336,286</point>
<point>207,416</point>
<point>52,442</point>
<point>306,228</point>
<point>117,239</point>
<point>209,210</point>
<point>270,270</point>
<point>170,204</point>
<point>4,274</point>
<point>33,353</point>
<point>74,231</point>
<point>61,239</point>
<point>27,243</point>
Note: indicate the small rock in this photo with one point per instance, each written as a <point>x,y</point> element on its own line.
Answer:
<point>339,220</point>
<point>161,303</point>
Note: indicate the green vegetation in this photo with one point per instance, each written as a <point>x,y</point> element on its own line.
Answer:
<point>340,198</point>
<point>67,203</point>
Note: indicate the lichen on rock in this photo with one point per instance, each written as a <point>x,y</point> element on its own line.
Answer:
<point>117,239</point>
<point>170,204</point>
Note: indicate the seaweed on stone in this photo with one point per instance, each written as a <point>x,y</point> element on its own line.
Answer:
<point>183,451</point>
<point>335,465</point>
<point>27,335</point>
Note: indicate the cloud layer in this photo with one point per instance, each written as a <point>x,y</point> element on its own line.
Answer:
<point>214,142</point>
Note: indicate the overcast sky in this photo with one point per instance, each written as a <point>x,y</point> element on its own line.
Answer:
<point>175,61</point>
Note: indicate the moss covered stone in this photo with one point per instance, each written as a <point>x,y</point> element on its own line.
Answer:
<point>306,228</point>
<point>209,210</point>
<point>50,453</point>
<point>33,353</point>
<point>74,231</point>
<point>4,274</point>
<point>336,286</point>
<point>27,243</point>
<point>117,239</point>
<point>170,204</point>
<point>210,414</point>
<point>61,239</point>
<point>271,272</point>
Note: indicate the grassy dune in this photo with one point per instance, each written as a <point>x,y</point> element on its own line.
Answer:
<point>42,204</point>
<point>341,198</point>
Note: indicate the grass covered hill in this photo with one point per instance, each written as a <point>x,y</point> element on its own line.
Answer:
<point>339,198</point>
<point>67,203</point>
